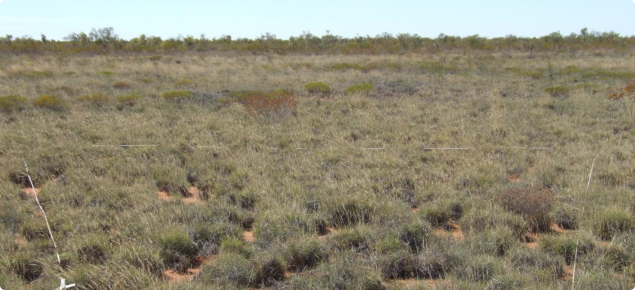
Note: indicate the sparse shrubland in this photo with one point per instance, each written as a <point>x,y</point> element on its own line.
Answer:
<point>455,170</point>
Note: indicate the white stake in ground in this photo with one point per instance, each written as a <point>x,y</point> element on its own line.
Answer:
<point>48,226</point>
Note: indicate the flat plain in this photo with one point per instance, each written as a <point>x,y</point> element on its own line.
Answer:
<point>201,171</point>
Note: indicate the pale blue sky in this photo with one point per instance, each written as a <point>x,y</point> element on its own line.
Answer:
<point>251,18</point>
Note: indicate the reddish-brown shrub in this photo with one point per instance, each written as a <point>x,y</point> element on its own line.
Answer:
<point>275,104</point>
<point>534,204</point>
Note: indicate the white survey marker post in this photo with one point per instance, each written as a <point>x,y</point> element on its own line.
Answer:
<point>63,285</point>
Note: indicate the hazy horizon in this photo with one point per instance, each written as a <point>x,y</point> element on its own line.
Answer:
<point>250,19</point>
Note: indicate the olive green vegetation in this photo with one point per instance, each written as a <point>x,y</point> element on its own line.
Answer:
<point>272,156</point>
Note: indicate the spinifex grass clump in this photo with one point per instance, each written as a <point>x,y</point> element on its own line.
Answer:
<point>177,250</point>
<point>129,100</point>
<point>183,83</point>
<point>274,104</point>
<point>49,102</point>
<point>558,91</point>
<point>122,85</point>
<point>608,223</point>
<point>318,88</point>
<point>359,89</point>
<point>96,98</point>
<point>12,103</point>
<point>176,96</point>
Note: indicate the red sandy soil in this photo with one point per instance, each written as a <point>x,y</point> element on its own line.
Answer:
<point>515,178</point>
<point>455,233</point>
<point>193,196</point>
<point>21,242</point>
<point>415,283</point>
<point>28,192</point>
<point>568,273</point>
<point>414,209</point>
<point>163,195</point>
<point>202,262</point>
<point>330,231</point>
<point>249,236</point>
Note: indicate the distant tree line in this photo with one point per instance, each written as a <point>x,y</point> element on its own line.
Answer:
<point>104,40</point>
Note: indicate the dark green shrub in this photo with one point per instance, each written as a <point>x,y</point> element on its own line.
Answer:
<point>559,91</point>
<point>49,102</point>
<point>305,254</point>
<point>611,222</point>
<point>12,103</point>
<point>178,250</point>
<point>359,89</point>
<point>533,204</point>
<point>318,88</point>
<point>176,96</point>
<point>565,246</point>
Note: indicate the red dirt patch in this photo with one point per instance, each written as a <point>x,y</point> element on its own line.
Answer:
<point>176,277</point>
<point>557,229</point>
<point>28,192</point>
<point>193,196</point>
<point>249,236</point>
<point>330,231</point>
<point>452,231</point>
<point>414,209</point>
<point>515,178</point>
<point>163,195</point>
<point>568,273</point>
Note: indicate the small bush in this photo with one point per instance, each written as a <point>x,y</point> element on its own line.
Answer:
<point>357,238</point>
<point>183,83</point>
<point>155,57</point>
<point>122,85</point>
<point>616,257</point>
<point>495,242</point>
<point>49,102</point>
<point>318,88</point>
<point>129,100</point>
<point>437,214</point>
<point>609,223</point>
<point>477,220</point>
<point>358,89</point>
<point>274,104</point>
<point>178,250</point>
<point>96,98</point>
<point>532,203</point>
<point>176,96</point>
<point>302,255</point>
<point>558,91</point>
<point>39,74</point>
<point>12,103</point>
